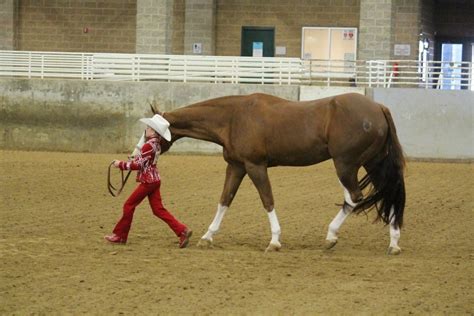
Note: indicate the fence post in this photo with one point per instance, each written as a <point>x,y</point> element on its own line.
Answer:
<point>215,70</point>
<point>235,70</point>
<point>328,72</point>
<point>470,86</point>
<point>185,72</point>
<point>424,66</point>
<point>370,72</point>
<point>42,66</point>
<point>280,79</point>
<point>29,65</point>
<point>134,67</point>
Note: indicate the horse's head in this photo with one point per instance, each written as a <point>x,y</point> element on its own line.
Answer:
<point>165,145</point>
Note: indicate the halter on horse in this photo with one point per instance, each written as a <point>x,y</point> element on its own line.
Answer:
<point>260,131</point>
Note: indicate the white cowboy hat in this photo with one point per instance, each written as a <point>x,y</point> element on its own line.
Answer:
<point>159,124</point>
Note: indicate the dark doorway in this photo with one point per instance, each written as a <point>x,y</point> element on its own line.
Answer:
<point>258,41</point>
<point>445,48</point>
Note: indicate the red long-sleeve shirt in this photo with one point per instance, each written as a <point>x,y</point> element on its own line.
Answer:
<point>145,162</point>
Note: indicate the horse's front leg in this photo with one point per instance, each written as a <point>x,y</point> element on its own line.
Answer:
<point>259,176</point>
<point>234,175</point>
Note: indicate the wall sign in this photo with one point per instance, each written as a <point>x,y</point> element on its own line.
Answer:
<point>280,50</point>
<point>402,50</point>
<point>348,34</point>
<point>197,48</point>
<point>257,49</point>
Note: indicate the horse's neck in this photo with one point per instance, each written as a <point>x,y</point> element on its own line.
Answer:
<point>203,121</point>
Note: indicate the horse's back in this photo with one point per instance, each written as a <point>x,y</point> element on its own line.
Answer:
<point>280,131</point>
<point>287,132</point>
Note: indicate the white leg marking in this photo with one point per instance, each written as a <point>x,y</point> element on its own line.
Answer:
<point>340,217</point>
<point>275,228</point>
<point>394,231</point>
<point>336,224</point>
<point>347,196</point>
<point>216,223</point>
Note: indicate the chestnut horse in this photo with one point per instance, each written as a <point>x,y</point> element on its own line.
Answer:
<point>259,131</point>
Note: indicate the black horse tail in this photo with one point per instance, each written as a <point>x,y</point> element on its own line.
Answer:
<point>386,177</point>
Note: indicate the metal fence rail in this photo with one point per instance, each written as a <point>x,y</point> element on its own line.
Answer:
<point>389,73</point>
<point>216,69</point>
<point>140,67</point>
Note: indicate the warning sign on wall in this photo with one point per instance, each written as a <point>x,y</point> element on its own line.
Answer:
<point>348,34</point>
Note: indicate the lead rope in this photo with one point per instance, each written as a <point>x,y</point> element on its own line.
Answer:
<point>113,191</point>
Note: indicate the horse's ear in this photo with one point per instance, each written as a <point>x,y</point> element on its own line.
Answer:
<point>154,108</point>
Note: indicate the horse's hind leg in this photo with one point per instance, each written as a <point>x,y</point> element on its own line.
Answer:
<point>335,225</point>
<point>259,176</point>
<point>352,194</point>
<point>394,249</point>
<point>234,175</point>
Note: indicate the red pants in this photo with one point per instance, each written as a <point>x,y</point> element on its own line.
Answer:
<point>152,190</point>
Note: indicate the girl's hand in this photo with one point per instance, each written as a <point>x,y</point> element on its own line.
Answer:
<point>116,163</point>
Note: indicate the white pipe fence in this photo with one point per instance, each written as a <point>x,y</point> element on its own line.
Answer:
<point>389,73</point>
<point>223,69</point>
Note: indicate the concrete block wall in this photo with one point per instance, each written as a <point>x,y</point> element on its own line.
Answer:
<point>287,17</point>
<point>7,24</point>
<point>200,26</point>
<point>407,26</point>
<point>59,26</point>
<point>154,31</point>
<point>179,13</point>
<point>375,29</point>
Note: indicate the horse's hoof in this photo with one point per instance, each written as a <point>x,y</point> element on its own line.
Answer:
<point>273,247</point>
<point>393,251</point>
<point>205,243</point>
<point>330,243</point>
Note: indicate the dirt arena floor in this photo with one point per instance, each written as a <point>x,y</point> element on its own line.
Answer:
<point>55,210</point>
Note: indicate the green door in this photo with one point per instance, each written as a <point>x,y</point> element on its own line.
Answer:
<point>258,41</point>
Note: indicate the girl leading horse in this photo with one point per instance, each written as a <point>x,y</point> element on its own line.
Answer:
<point>259,131</point>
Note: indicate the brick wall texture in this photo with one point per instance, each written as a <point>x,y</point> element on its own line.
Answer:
<point>178,27</point>
<point>154,30</point>
<point>7,24</point>
<point>200,26</point>
<point>407,26</point>
<point>375,29</point>
<point>58,25</point>
<point>288,18</point>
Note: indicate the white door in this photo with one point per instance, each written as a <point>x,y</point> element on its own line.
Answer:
<point>451,58</point>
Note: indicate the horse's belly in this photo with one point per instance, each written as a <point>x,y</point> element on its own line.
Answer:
<point>299,158</point>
